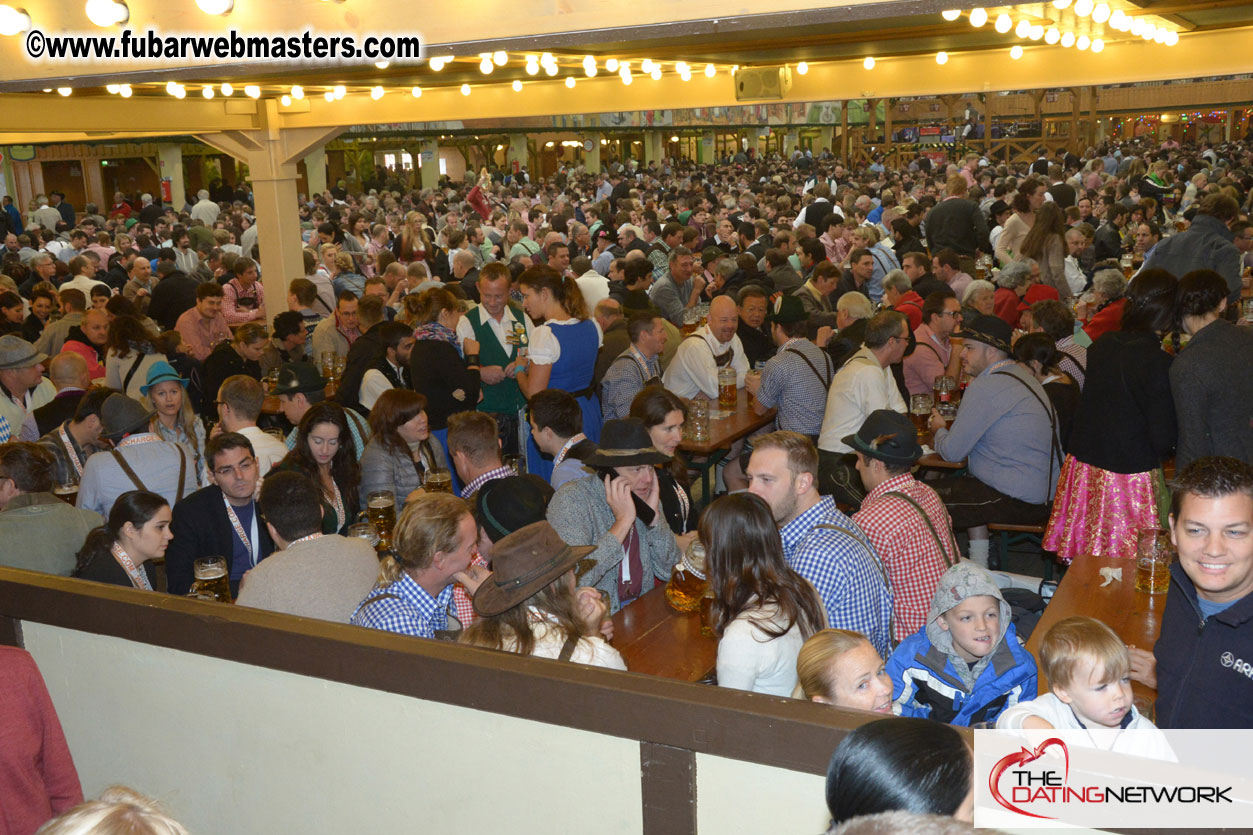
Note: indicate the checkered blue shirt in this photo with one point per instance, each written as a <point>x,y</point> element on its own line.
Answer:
<point>844,569</point>
<point>411,612</point>
<point>789,383</point>
<point>626,375</point>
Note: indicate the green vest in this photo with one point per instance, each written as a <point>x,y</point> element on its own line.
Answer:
<point>503,398</point>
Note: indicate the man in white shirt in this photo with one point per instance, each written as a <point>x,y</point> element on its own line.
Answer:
<point>694,370</point>
<point>592,284</point>
<point>863,385</point>
<point>205,209</point>
<point>239,406</point>
<point>392,369</point>
<point>23,388</point>
<point>83,272</point>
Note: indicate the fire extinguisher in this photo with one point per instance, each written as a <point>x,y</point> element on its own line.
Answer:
<point>167,190</point>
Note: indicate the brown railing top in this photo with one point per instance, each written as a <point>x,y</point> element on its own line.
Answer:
<point>785,733</point>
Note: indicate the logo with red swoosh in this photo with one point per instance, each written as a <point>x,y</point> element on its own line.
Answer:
<point>1021,758</point>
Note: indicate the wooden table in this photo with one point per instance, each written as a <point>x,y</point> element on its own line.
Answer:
<point>934,461</point>
<point>723,433</point>
<point>655,639</point>
<point>271,406</point>
<point>1136,617</point>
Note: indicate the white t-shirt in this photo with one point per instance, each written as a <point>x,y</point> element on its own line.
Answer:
<point>1146,741</point>
<point>749,659</point>
<point>502,329</point>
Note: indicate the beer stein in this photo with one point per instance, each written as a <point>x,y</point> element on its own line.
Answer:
<point>726,388</point>
<point>687,579</point>
<point>1153,555</point>
<point>366,531</point>
<point>67,492</point>
<point>212,580</point>
<point>698,417</point>
<point>920,412</point>
<point>437,481</point>
<point>380,510</point>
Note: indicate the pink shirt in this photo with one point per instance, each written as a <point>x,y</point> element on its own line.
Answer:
<point>929,360</point>
<point>199,335</point>
<point>236,314</point>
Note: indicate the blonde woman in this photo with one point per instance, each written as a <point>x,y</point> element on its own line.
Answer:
<point>175,420</point>
<point>413,243</point>
<point>119,811</point>
<point>842,668</point>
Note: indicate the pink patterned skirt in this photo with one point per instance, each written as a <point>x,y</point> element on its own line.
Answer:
<point>1098,512</point>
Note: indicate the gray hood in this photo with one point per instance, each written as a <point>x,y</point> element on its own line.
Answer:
<point>966,579</point>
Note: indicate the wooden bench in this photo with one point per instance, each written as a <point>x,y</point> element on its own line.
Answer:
<point>1010,535</point>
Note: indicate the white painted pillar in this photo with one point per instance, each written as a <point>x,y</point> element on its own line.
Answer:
<point>518,150</point>
<point>315,171</point>
<point>170,163</point>
<point>429,150</point>
<point>591,159</point>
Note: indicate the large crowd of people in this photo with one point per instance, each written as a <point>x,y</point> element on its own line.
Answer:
<point>515,359</point>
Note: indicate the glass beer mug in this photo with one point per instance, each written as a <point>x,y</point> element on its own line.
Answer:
<point>380,510</point>
<point>726,388</point>
<point>687,579</point>
<point>437,481</point>
<point>212,581</point>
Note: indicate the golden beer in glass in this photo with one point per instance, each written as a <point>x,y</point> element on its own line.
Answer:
<point>437,481</point>
<point>380,509</point>
<point>726,388</point>
<point>212,581</point>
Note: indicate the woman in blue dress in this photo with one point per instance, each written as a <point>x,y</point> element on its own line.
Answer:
<point>562,351</point>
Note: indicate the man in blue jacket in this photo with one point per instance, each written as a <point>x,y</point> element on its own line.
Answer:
<point>1204,655</point>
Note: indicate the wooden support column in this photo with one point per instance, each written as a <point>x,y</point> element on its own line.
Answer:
<point>1093,100</point>
<point>271,153</point>
<point>889,105</point>
<point>1073,140</point>
<point>987,126</point>
<point>872,121</point>
<point>844,133</point>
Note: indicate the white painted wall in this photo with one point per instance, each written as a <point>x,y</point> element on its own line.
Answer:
<point>739,797</point>
<point>233,749</point>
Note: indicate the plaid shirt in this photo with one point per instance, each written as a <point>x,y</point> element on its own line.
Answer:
<point>473,487</point>
<point>412,611</point>
<point>626,375</point>
<point>790,383</point>
<point>843,568</point>
<point>913,559</point>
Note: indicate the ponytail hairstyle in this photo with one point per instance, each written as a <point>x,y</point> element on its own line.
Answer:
<point>426,525</point>
<point>137,507</point>
<point>431,303</point>
<point>814,661</point>
<point>565,291</point>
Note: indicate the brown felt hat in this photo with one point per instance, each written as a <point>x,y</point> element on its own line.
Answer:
<point>523,563</point>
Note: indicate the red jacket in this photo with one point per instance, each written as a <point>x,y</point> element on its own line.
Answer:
<point>911,305</point>
<point>95,369</point>
<point>1108,318</point>
<point>1005,305</point>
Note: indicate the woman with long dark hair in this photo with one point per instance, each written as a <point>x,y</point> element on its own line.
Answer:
<point>121,550</point>
<point>1112,483</point>
<point>324,452</point>
<point>562,351</point>
<point>130,352</point>
<point>901,764</point>
<point>1038,354</point>
<point>763,611</point>
<point>1046,243</point>
<point>664,414</point>
<point>400,451</point>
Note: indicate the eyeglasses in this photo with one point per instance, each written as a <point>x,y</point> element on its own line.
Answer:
<point>956,314</point>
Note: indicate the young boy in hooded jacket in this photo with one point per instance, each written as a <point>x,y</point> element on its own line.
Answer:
<point>967,664</point>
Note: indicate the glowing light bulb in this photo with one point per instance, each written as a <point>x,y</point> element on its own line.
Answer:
<point>339,90</point>
<point>465,89</point>
<point>1137,26</point>
<point>646,66</point>
<point>1117,19</point>
<point>1068,39</point>
<point>382,65</point>
<point>252,91</point>
<point>500,57</point>
<point>171,86</point>
<point>1036,32</point>
<point>978,16</point>
<point>551,69</point>
<point>532,67</point>
<point>285,100</point>
<point>226,89</point>
<point>486,66</point>
<point>710,71</point>
<point>1101,13</point>
<point>111,88</point>
<point>1150,32</point>
<point>802,68</point>
<point>517,86</point>
<point>13,20</point>
<point>951,14</point>
<point>1083,8</point>
<point>611,64</point>
<point>868,63</point>
<point>1098,45</point>
<point>655,75</point>
<point>436,64</point>
<point>1015,52</point>
<point>125,91</point>
<point>624,72</point>
<point>1172,38</point>
<point>105,13</point>
<point>1082,42</point>
<point>207,92</point>
<point>297,92</point>
<point>416,92</point>
<point>1052,35</point>
<point>1023,29</point>
<point>685,74</point>
<point>65,91</point>
<point>215,6</point>
<point>376,93</point>
<point>941,58</point>
<point>1160,35</point>
<point>570,81</point>
<point>329,95</point>
<point>1004,23</point>
<point>179,93</point>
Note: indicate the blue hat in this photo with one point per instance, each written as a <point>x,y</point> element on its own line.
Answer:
<point>161,372</point>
